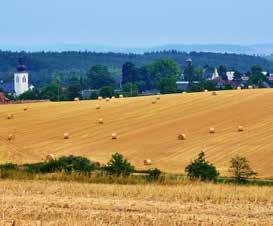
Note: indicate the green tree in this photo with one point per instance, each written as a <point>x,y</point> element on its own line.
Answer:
<point>241,169</point>
<point>189,73</point>
<point>99,76</point>
<point>161,69</point>
<point>130,89</point>
<point>168,84</point>
<point>202,169</point>
<point>129,73</point>
<point>94,95</point>
<point>257,77</point>
<point>222,70</point>
<point>119,166</point>
<point>107,91</point>
<point>33,94</point>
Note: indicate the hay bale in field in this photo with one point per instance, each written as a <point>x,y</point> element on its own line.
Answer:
<point>114,136</point>
<point>66,136</point>
<point>240,129</point>
<point>214,93</point>
<point>10,116</point>
<point>239,88</point>
<point>98,107</point>
<point>100,121</point>
<point>182,136</point>
<point>113,97</point>
<point>184,92</point>
<point>147,162</point>
<point>77,99</point>
<point>100,98</point>
<point>250,87</point>
<point>25,108</point>
<point>211,130</point>
<point>158,97</point>
<point>107,99</point>
<point>50,157</point>
<point>205,90</point>
<point>10,137</point>
<point>154,102</point>
<point>120,96</point>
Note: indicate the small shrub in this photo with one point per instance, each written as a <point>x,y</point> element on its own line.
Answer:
<point>202,169</point>
<point>241,169</point>
<point>119,166</point>
<point>8,166</point>
<point>154,174</point>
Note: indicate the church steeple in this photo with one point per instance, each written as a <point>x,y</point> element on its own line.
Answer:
<point>21,78</point>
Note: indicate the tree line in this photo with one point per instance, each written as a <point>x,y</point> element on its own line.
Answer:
<point>45,66</point>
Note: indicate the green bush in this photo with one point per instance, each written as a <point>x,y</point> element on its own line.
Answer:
<point>119,166</point>
<point>8,166</point>
<point>67,164</point>
<point>154,174</point>
<point>202,169</point>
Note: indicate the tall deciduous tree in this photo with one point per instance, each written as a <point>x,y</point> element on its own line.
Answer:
<point>99,76</point>
<point>241,169</point>
<point>129,73</point>
<point>161,69</point>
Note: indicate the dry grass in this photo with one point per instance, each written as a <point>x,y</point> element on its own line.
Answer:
<point>147,131</point>
<point>59,203</point>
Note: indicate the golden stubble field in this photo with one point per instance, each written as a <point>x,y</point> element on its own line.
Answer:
<point>29,203</point>
<point>146,130</point>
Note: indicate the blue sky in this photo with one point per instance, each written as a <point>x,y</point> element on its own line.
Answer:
<point>135,23</point>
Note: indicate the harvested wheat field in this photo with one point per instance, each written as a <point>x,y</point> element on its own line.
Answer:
<point>59,203</point>
<point>145,130</point>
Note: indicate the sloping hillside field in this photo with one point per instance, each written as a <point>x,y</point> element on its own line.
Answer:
<point>145,130</point>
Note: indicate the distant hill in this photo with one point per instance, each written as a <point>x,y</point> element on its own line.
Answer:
<point>42,65</point>
<point>256,49</point>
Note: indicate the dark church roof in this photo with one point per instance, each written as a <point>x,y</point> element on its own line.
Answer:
<point>21,67</point>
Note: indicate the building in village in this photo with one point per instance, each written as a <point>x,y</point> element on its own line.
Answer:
<point>20,83</point>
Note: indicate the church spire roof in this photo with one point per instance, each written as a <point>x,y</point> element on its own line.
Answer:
<point>21,67</point>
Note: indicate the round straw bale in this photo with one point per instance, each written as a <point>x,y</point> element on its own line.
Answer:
<point>50,157</point>
<point>211,130</point>
<point>154,102</point>
<point>214,93</point>
<point>114,136</point>
<point>147,162</point>
<point>182,136</point>
<point>98,107</point>
<point>66,136</point>
<point>10,137</point>
<point>205,90</point>
<point>240,128</point>
<point>100,121</point>
<point>120,96</point>
<point>107,99</point>
<point>239,88</point>
<point>10,116</point>
<point>100,98</point>
<point>184,92</point>
<point>250,87</point>
<point>113,97</point>
<point>25,108</point>
<point>158,97</point>
<point>77,99</point>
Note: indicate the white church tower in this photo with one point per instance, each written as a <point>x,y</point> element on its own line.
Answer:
<point>21,79</point>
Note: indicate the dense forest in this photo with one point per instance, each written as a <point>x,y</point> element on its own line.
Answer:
<point>45,66</point>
